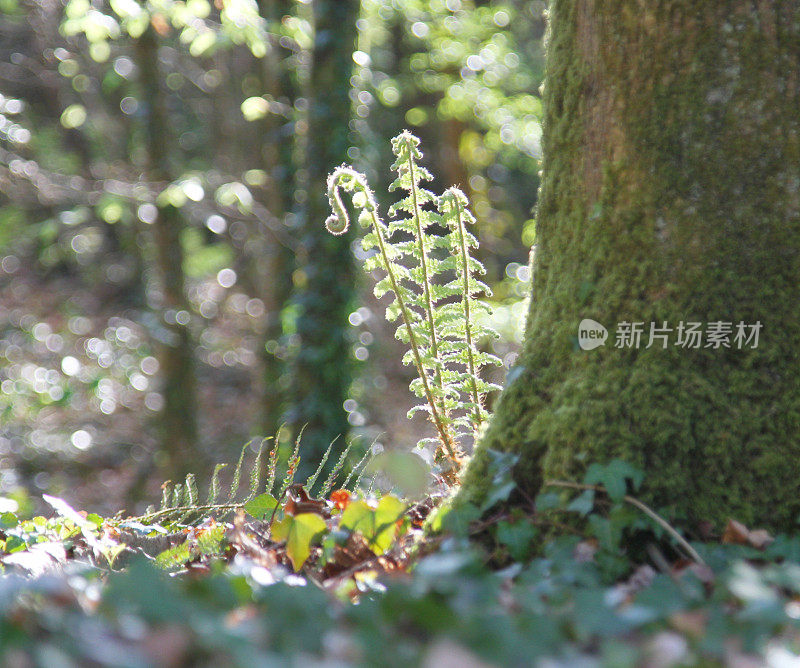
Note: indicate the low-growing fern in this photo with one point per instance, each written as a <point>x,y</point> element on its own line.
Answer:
<point>180,502</point>
<point>434,281</point>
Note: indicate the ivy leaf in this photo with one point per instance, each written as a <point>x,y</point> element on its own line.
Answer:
<point>517,537</point>
<point>260,506</point>
<point>584,503</point>
<point>498,493</point>
<point>377,525</point>
<point>298,531</point>
<point>613,477</point>
<point>548,501</point>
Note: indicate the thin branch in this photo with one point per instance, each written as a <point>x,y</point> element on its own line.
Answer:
<point>652,514</point>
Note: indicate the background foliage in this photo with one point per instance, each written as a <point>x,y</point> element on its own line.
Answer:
<point>168,289</point>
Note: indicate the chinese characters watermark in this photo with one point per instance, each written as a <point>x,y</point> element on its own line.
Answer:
<point>686,334</point>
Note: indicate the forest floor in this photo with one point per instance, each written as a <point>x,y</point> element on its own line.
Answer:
<point>333,573</point>
<point>352,578</point>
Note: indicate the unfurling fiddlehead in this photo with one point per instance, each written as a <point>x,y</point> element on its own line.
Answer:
<point>347,179</point>
<point>437,311</point>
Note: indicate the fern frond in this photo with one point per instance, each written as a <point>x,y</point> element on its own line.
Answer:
<point>255,472</point>
<point>292,464</point>
<point>272,466</point>
<point>347,179</point>
<point>436,312</point>
<point>454,200</point>
<point>360,477</point>
<point>213,488</point>
<point>453,207</point>
<point>180,503</point>
<point>363,461</point>
<point>326,488</point>
<point>406,148</point>
<point>237,473</point>
<point>313,478</point>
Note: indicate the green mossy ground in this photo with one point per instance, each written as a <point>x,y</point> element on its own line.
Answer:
<point>671,192</point>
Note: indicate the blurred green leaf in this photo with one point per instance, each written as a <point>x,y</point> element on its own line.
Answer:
<point>405,470</point>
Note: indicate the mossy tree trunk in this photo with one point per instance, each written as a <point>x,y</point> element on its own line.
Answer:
<point>670,193</point>
<point>178,417</point>
<point>324,280</point>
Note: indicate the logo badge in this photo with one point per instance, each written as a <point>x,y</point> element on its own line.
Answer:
<point>591,334</point>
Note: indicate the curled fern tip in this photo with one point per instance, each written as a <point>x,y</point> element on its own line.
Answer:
<point>336,225</point>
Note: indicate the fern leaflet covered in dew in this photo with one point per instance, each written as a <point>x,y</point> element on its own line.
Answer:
<point>213,489</point>
<point>434,281</point>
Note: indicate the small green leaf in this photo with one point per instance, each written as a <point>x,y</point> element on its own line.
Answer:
<point>377,525</point>
<point>517,537</point>
<point>582,504</point>
<point>260,506</point>
<point>298,531</point>
<point>14,544</point>
<point>356,517</point>
<point>498,494</point>
<point>613,477</point>
<point>548,501</point>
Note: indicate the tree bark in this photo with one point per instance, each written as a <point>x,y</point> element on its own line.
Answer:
<point>670,193</point>
<point>178,417</point>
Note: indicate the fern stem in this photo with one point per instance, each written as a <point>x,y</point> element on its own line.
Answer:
<point>435,417</point>
<point>462,240</point>
<point>184,509</point>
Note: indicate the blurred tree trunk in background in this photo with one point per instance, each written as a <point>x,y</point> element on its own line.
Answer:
<point>669,195</point>
<point>178,419</point>
<point>324,282</point>
<point>274,266</point>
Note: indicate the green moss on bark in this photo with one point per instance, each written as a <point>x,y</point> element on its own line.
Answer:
<point>671,192</point>
<point>324,285</point>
